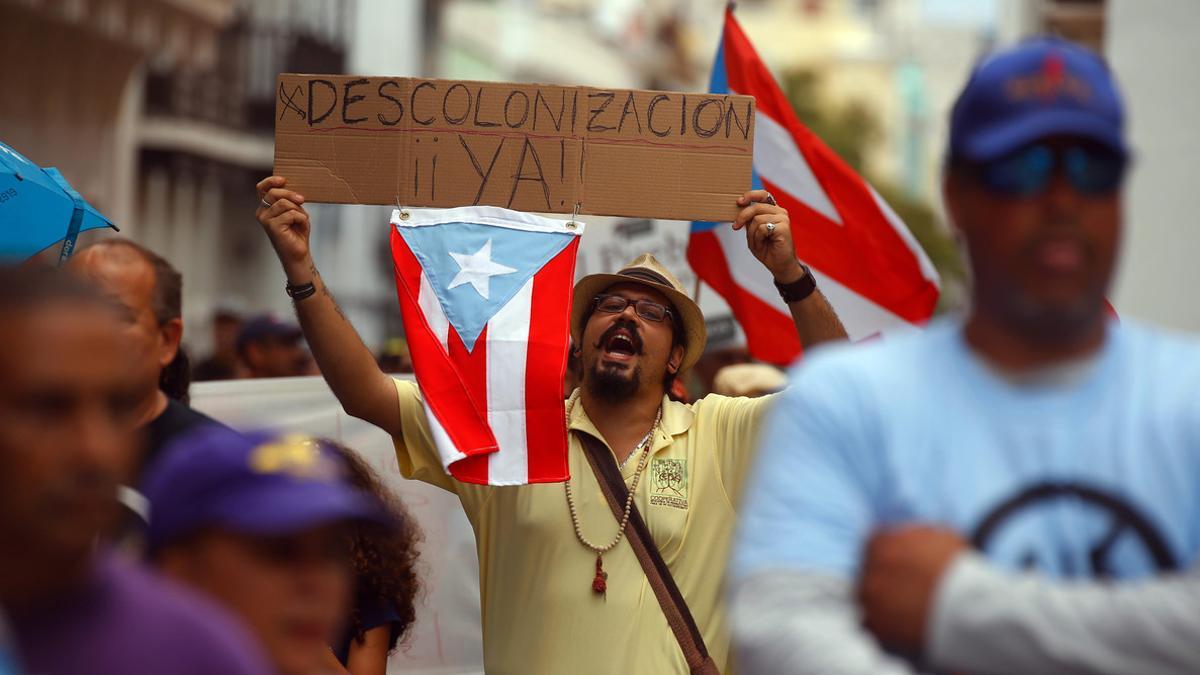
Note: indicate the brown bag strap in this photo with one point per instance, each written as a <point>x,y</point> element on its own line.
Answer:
<point>679,617</point>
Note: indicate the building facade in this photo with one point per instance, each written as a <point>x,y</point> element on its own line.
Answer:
<point>74,76</point>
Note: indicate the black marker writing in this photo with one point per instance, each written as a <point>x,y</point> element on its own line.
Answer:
<point>483,175</point>
<point>700,130</point>
<point>524,109</point>
<point>412,103</point>
<point>478,107</point>
<point>289,101</point>
<point>561,109</point>
<point>608,98</point>
<point>348,100</point>
<point>451,119</point>
<point>397,102</point>
<point>630,106</point>
<point>659,98</point>
<point>527,149</point>
<point>313,119</point>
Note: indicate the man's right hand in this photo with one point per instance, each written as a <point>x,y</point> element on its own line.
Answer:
<point>286,224</point>
<point>901,570</point>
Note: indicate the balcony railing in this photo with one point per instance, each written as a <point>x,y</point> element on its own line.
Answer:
<point>238,91</point>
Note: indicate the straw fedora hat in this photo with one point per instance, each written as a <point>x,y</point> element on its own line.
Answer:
<point>748,379</point>
<point>648,272</point>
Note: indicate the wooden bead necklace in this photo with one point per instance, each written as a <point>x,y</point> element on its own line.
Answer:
<point>600,581</point>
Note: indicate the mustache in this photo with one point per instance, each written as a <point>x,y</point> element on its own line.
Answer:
<point>628,325</point>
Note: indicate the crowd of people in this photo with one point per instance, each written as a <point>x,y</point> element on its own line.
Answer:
<point>1014,490</point>
<point>253,346</point>
<point>265,548</point>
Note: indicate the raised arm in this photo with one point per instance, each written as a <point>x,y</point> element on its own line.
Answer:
<point>348,366</point>
<point>816,322</point>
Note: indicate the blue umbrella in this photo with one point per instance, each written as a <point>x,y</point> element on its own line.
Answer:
<point>38,209</point>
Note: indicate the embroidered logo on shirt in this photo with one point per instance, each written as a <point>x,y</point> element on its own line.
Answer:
<point>669,483</point>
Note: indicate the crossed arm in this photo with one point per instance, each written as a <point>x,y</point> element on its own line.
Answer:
<point>920,587</point>
<point>969,617</point>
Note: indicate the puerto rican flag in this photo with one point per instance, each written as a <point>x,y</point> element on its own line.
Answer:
<point>865,260</point>
<point>485,294</point>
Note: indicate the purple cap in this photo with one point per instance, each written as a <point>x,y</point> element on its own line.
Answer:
<point>255,483</point>
<point>1042,87</point>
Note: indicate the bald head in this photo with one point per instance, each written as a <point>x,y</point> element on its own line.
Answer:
<point>113,259</point>
<point>150,289</point>
<point>119,272</point>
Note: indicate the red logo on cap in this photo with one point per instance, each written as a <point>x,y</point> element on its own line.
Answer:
<point>1053,73</point>
<point>1051,82</point>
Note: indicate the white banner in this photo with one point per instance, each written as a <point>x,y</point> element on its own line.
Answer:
<point>447,639</point>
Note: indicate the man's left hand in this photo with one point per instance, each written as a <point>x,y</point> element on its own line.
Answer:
<point>900,575</point>
<point>771,245</point>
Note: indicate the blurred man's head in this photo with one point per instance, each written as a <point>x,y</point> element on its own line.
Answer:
<point>271,347</point>
<point>153,291</point>
<point>1033,183</point>
<point>227,323</point>
<point>395,357</point>
<point>261,523</point>
<point>68,397</point>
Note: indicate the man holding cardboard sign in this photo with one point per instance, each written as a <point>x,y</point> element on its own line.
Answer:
<point>566,589</point>
<point>558,597</point>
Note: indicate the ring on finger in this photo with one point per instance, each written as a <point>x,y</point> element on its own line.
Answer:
<point>770,227</point>
<point>266,204</point>
<point>771,200</point>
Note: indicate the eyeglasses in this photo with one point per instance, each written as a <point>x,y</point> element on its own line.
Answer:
<point>1027,172</point>
<point>647,309</point>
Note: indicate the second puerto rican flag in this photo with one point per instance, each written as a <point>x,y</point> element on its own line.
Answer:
<point>865,260</point>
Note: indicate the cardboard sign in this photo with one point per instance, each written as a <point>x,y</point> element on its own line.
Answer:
<point>530,147</point>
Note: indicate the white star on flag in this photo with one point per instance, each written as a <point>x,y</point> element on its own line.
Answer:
<point>477,269</point>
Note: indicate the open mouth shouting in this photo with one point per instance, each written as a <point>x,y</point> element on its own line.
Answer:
<point>620,343</point>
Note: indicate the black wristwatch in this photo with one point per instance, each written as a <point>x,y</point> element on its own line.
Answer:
<point>300,291</point>
<point>799,289</point>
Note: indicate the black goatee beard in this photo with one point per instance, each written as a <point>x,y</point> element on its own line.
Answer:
<point>612,386</point>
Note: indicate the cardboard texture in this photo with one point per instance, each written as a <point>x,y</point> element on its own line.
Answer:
<point>530,147</point>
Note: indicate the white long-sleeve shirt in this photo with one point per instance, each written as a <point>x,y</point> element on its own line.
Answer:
<point>984,621</point>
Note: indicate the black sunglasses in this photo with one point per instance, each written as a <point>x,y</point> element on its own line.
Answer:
<point>1028,171</point>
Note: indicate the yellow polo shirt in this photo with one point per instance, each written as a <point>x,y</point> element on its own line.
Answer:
<point>540,614</point>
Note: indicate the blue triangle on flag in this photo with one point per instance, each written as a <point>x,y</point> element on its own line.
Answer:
<point>508,258</point>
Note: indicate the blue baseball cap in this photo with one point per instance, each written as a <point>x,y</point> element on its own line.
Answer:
<point>254,483</point>
<point>267,326</point>
<point>1042,87</point>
